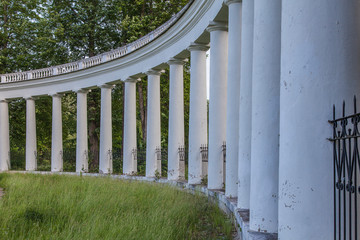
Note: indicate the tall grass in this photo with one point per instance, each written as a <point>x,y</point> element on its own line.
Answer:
<point>70,207</point>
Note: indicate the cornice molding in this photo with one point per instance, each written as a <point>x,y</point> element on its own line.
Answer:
<point>228,2</point>
<point>217,26</point>
<point>59,95</point>
<point>176,61</point>
<point>31,98</point>
<point>107,86</point>
<point>132,80</point>
<point>155,72</point>
<point>198,47</point>
<point>82,90</point>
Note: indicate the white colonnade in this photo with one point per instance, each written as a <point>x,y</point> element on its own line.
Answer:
<point>217,105</point>
<point>130,149</point>
<point>276,68</point>
<point>82,154</point>
<point>4,136</point>
<point>198,125</point>
<point>245,104</point>
<point>56,137</point>
<point>153,137</point>
<point>31,146</point>
<point>105,154</point>
<point>233,92</point>
<point>176,143</point>
<point>265,116</point>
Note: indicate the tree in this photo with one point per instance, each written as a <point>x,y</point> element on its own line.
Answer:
<point>41,33</point>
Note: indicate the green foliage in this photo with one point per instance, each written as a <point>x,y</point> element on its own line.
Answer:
<point>70,207</point>
<point>41,33</point>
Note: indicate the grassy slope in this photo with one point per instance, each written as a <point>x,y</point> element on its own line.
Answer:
<point>68,207</point>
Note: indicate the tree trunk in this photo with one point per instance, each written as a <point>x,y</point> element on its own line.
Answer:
<point>142,110</point>
<point>93,125</point>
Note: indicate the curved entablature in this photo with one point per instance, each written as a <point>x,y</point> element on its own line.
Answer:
<point>96,60</point>
<point>153,51</point>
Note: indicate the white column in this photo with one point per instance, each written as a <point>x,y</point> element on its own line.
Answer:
<point>265,116</point>
<point>320,67</point>
<point>56,139</point>
<point>81,132</point>
<point>176,168</point>
<point>105,155</point>
<point>153,132</point>
<point>217,105</point>
<point>233,92</point>
<point>130,162</point>
<point>245,104</point>
<point>198,112</point>
<point>4,136</point>
<point>31,149</point>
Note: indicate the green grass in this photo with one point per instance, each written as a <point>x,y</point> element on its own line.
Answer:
<point>71,207</point>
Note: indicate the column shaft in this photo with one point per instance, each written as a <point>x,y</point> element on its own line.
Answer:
<point>81,132</point>
<point>105,155</point>
<point>315,74</point>
<point>217,105</point>
<point>176,168</point>
<point>130,163</point>
<point>233,92</point>
<point>56,140</point>
<point>245,104</point>
<point>4,136</point>
<point>265,116</point>
<point>31,149</point>
<point>153,136</point>
<point>198,113</point>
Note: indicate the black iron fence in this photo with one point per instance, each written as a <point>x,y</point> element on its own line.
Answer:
<point>204,152</point>
<point>346,163</point>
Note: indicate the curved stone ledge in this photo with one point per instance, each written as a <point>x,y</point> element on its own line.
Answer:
<point>239,217</point>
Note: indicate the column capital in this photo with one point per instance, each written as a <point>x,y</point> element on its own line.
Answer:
<point>82,90</point>
<point>217,26</point>
<point>177,61</point>
<point>154,72</point>
<point>198,47</point>
<point>60,95</point>
<point>228,2</point>
<point>3,100</point>
<point>31,98</point>
<point>132,79</point>
<point>109,86</point>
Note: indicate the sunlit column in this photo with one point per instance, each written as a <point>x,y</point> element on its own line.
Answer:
<point>176,167</point>
<point>31,149</point>
<point>81,132</point>
<point>56,139</point>
<point>153,136</point>
<point>245,104</point>
<point>130,161</point>
<point>265,116</point>
<point>198,111</point>
<point>4,136</point>
<point>233,92</point>
<point>105,155</point>
<point>217,105</point>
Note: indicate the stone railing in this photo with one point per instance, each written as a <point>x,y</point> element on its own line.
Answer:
<point>96,60</point>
